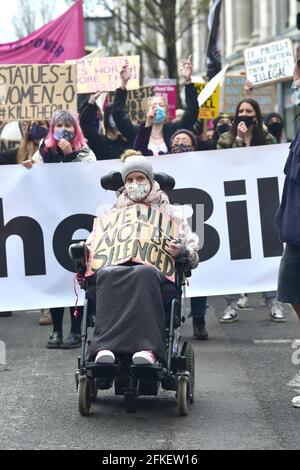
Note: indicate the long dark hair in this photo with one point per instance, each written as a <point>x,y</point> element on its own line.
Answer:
<point>258,133</point>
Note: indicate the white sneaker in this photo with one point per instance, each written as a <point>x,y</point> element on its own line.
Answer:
<point>105,357</point>
<point>144,357</point>
<point>243,301</point>
<point>230,315</point>
<point>276,313</point>
<point>296,402</point>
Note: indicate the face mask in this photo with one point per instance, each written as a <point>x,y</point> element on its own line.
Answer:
<point>37,132</point>
<point>223,128</point>
<point>248,120</point>
<point>160,115</point>
<point>137,192</point>
<point>275,128</point>
<point>62,133</point>
<point>295,96</point>
<point>180,148</point>
<point>112,122</point>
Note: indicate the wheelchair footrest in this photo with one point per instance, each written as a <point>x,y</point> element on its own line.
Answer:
<point>101,370</point>
<point>147,371</point>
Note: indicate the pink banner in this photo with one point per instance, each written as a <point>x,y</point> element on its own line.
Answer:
<point>61,39</point>
<point>165,87</point>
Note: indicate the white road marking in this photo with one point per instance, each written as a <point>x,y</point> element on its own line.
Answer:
<point>276,341</point>
<point>295,382</point>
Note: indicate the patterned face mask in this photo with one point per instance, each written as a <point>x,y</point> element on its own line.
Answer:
<point>62,133</point>
<point>180,148</point>
<point>137,192</point>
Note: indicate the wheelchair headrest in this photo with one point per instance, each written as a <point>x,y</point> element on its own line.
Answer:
<point>113,181</point>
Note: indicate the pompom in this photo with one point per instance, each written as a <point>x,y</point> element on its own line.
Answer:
<point>130,153</point>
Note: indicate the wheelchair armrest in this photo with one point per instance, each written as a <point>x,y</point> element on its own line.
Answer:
<point>79,254</point>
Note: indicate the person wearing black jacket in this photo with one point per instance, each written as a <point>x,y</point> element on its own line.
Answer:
<point>9,157</point>
<point>288,221</point>
<point>108,146</point>
<point>162,130</point>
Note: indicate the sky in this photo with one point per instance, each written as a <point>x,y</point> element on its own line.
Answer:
<point>7,32</point>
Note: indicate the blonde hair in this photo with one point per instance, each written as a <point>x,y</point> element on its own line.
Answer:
<point>130,153</point>
<point>150,99</point>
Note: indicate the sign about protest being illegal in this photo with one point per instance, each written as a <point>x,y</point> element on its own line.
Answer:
<point>139,233</point>
<point>35,92</point>
<point>272,62</point>
<point>210,109</point>
<point>165,87</point>
<point>103,73</point>
<point>232,92</point>
<point>137,102</point>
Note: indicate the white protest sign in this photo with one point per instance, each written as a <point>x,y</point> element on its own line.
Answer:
<point>272,62</point>
<point>42,212</point>
<point>211,86</point>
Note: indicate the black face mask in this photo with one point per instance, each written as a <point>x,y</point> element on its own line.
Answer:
<point>180,148</point>
<point>37,132</point>
<point>223,128</point>
<point>248,120</point>
<point>275,128</point>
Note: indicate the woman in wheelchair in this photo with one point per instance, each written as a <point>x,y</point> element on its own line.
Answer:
<point>131,298</point>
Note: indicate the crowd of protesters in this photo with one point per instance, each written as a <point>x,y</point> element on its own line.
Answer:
<point>106,134</point>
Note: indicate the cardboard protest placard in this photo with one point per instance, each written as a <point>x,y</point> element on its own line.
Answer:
<point>137,102</point>
<point>139,233</point>
<point>270,63</point>
<point>34,92</point>
<point>103,73</point>
<point>232,92</point>
<point>210,109</point>
<point>165,87</point>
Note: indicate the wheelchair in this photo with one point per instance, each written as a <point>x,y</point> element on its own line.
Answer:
<point>129,380</point>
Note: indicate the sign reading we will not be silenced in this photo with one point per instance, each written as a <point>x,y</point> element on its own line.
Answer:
<point>103,73</point>
<point>139,233</point>
<point>272,62</point>
<point>34,92</point>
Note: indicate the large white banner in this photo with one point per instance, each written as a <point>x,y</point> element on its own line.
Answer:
<point>235,192</point>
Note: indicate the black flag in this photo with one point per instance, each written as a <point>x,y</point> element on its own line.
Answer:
<point>213,53</point>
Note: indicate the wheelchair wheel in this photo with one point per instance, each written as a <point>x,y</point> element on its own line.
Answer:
<point>190,367</point>
<point>83,396</point>
<point>183,393</point>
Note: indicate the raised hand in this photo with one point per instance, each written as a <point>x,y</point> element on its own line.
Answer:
<point>241,130</point>
<point>65,146</point>
<point>248,87</point>
<point>187,69</point>
<point>93,98</point>
<point>151,115</point>
<point>125,74</point>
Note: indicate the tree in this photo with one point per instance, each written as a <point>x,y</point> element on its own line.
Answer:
<point>144,23</point>
<point>30,16</point>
